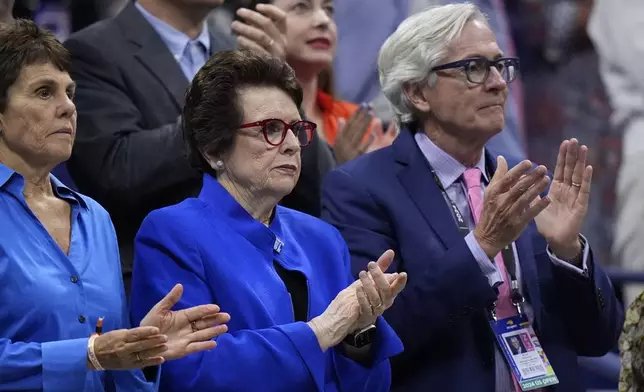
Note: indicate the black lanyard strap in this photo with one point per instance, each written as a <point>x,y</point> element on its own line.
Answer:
<point>507,253</point>
<point>458,217</point>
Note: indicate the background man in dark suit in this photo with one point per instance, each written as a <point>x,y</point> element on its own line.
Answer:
<point>447,206</point>
<point>132,72</point>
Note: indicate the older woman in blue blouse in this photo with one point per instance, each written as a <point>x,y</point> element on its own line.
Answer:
<point>59,261</point>
<point>298,320</point>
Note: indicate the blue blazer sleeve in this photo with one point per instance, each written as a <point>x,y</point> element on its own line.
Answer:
<point>435,299</point>
<point>356,377</point>
<point>280,358</point>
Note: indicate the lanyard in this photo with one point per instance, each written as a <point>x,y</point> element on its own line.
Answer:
<point>507,252</point>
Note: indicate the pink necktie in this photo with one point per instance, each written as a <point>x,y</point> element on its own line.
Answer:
<point>504,306</point>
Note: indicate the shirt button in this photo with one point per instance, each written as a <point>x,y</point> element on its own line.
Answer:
<point>74,279</point>
<point>81,319</point>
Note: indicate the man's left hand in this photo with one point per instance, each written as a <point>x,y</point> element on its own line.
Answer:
<point>560,223</point>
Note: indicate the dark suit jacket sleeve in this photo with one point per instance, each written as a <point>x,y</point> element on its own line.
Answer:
<point>588,307</point>
<point>113,154</point>
<point>279,358</point>
<point>433,301</point>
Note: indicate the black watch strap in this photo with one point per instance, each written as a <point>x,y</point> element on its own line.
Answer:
<point>361,338</point>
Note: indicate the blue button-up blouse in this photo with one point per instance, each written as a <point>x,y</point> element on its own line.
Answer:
<point>50,301</point>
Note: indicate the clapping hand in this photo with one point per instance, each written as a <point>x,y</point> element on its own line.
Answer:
<point>510,202</point>
<point>378,290</point>
<point>163,335</point>
<point>380,137</point>
<point>125,349</point>
<point>188,330</point>
<point>349,142</point>
<point>359,304</point>
<point>263,29</point>
<point>560,222</point>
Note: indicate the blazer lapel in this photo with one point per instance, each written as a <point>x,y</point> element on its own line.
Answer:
<point>153,53</point>
<point>416,178</point>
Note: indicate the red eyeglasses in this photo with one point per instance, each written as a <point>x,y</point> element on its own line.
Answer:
<point>275,130</point>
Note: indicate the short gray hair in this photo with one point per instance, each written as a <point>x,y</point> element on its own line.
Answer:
<point>419,44</point>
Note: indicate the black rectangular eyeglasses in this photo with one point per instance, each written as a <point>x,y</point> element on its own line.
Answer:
<point>477,69</point>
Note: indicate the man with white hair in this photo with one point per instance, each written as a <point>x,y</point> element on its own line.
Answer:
<point>363,33</point>
<point>488,253</point>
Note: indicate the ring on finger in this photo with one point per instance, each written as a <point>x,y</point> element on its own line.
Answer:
<point>138,357</point>
<point>271,43</point>
<point>193,324</point>
<point>576,185</point>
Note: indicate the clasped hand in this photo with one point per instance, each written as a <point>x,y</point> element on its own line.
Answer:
<point>360,304</point>
<point>262,29</point>
<point>512,199</point>
<point>163,335</point>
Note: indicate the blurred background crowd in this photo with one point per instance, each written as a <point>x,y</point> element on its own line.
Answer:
<point>563,93</point>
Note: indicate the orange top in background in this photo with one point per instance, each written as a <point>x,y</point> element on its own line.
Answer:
<point>332,110</point>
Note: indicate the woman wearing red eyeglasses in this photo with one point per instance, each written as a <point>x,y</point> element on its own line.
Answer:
<point>299,321</point>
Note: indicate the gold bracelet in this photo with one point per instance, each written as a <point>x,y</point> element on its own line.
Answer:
<point>92,355</point>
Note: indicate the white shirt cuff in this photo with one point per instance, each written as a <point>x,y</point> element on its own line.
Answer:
<point>487,266</point>
<point>569,266</point>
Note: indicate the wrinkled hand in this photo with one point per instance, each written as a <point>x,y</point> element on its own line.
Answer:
<point>380,137</point>
<point>189,330</point>
<point>130,348</point>
<point>263,29</point>
<point>349,140</point>
<point>378,290</point>
<point>509,204</point>
<point>560,222</point>
<point>352,308</point>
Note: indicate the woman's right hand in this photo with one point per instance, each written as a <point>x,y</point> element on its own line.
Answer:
<point>126,349</point>
<point>360,303</point>
<point>338,318</point>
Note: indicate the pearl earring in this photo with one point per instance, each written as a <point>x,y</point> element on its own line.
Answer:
<point>219,165</point>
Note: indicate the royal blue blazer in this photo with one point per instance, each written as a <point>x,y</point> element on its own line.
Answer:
<point>222,255</point>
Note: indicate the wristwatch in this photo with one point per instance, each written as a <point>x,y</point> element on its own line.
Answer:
<point>362,337</point>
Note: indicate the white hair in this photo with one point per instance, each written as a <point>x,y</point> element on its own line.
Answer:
<point>419,44</point>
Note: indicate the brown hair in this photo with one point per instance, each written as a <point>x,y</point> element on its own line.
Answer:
<point>325,81</point>
<point>23,43</point>
<point>212,113</point>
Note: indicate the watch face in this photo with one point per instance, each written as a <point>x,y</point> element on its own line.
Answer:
<point>362,339</point>
<point>365,337</point>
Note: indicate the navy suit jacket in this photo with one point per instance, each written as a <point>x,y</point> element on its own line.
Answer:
<point>388,200</point>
